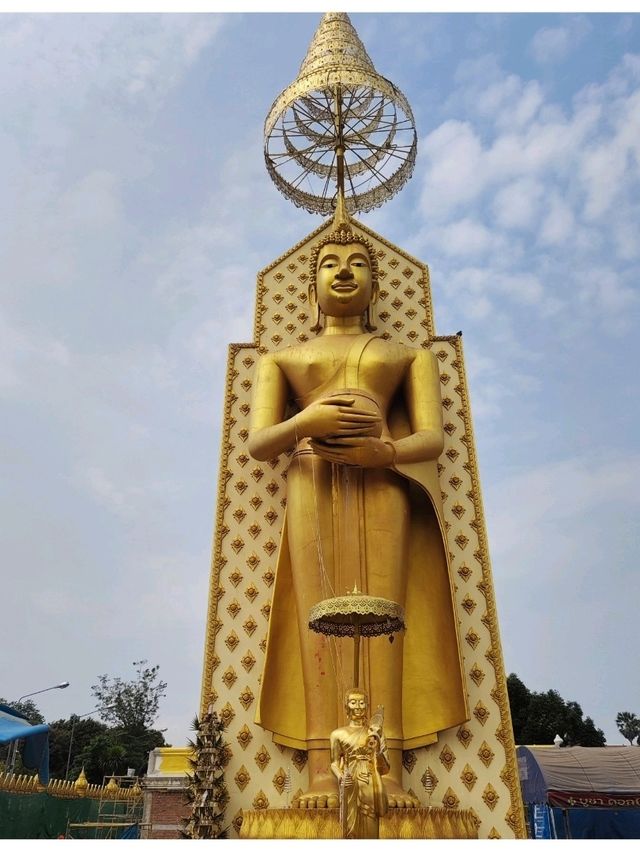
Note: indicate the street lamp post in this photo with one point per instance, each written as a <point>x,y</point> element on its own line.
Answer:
<point>73,728</point>
<point>13,752</point>
<point>63,685</point>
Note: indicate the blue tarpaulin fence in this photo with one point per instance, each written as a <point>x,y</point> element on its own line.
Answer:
<point>35,754</point>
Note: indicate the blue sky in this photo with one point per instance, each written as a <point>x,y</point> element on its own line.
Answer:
<point>135,214</point>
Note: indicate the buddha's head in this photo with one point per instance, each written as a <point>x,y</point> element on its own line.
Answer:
<point>356,704</point>
<point>344,277</point>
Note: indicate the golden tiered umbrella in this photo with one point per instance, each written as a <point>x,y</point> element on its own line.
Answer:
<point>356,615</point>
<point>340,130</point>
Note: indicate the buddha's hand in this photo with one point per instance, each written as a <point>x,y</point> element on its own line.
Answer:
<point>336,417</point>
<point>359,452</point>
<point>373,742</point>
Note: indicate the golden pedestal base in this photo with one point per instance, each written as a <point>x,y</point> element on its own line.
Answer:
<point>402,824</point>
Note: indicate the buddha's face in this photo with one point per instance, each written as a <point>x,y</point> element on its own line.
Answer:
<point>356,706</point>
<point>344,284</point>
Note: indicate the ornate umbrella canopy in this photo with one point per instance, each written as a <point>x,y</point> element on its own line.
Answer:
<point>356,615</point>
<point>339,128</point>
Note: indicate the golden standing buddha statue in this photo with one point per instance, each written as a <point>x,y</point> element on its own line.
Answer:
<point>368,424</point>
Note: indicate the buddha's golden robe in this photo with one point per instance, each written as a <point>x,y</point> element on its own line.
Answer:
<point>365,800</point>
<point>433,696</point>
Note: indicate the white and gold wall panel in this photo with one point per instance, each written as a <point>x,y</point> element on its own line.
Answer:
<point>472,766</point>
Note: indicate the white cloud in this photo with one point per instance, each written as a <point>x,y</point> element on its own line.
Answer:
<point>543,142</point>
<point>607,167</point>
<point>603,290</point>
<point>553,44</point>
<point>136,59</point>
<point>624,24</point>
<point>522,287</point>
<point>603,169</point>
<point>558,222</point>
<point>488,93</point>
<point>626,236</point>
<point>27,354</point>
<point>538,510</point>
<point>493,98</point>
<point>205,342</point>
<point>510,101</point>
<point>454,175</point>
<point>465,237</point>
<point>461,168</point>
<point>568,180</point>
<point>192,256</point>
<point>516,204</point>
<point>107,493</point>
<point>488,284</point>
<point>485,377</point>
<point>169,571</point>
<point>527,105</point>
<point>91,204</point>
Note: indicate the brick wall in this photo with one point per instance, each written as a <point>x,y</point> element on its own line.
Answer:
<point>164,807</point>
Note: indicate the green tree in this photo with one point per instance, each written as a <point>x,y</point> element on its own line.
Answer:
<point>104,755</point>
<point>27,708</point>
<point>629,726</point>
<point>60,743</point>
<point>131,704</point>
<point>539,716</point>
<point>115,750</point>
<point>137,745</point>
<point>519,698</point>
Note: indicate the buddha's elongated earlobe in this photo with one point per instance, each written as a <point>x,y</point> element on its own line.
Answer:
<point>369,318</point>
<point>370,313</point>
<point>317,326</point>
<point>313,302</point>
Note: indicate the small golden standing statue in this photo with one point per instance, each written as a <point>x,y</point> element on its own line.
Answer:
<point>358,760</point>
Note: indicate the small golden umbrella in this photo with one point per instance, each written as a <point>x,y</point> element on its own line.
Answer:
<point>356,614</point>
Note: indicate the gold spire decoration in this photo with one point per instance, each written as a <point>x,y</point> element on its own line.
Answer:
<point>81,785</point>
<point>336,44</point>
<point>112,787</point>
<point>340,129</point>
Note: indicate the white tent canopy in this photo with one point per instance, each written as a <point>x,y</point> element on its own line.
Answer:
<point>609,769</point>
